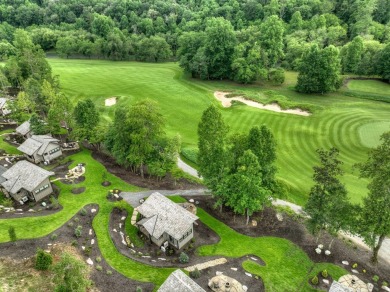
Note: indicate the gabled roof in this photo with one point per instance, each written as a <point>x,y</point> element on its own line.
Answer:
<point>24,128</point>
<point>163,215</point>
<point>179,282</point>
<point>24,175</point>
<point>36,143</point>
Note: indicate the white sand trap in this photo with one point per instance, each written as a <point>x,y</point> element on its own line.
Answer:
<point>227,102</point>
<point>110,101</point>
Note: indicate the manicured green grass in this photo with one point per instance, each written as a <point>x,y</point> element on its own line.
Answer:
<point>336,120</point>
<point>5,146</point>
<point>369,86</point>
<point>370,133</point>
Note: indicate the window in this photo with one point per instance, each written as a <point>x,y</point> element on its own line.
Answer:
<point>186,235</point>
<point>41,189</point>
<point>54,150</point>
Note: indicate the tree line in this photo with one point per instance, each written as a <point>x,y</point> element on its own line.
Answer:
<point>239,170</point>
<point>238,40</point>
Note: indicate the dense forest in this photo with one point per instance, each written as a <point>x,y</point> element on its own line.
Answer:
<point>213,39</point>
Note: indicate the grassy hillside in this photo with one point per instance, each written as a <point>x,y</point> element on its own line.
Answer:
<point>337,120</point>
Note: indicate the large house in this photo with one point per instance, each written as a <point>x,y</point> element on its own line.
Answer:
<point>3,106</point>
<point>25,181</point>
<point>24,130</point>
<point>179,282</point>
<point>41,148</point>
<point>164,221</point>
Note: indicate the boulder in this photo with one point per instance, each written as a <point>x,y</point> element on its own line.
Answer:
<point>346,263</point>
<point>89,262</point>
<point>93,210</point>
<point>326,281</point>
<point>248,274</point>
<point>218,273</point>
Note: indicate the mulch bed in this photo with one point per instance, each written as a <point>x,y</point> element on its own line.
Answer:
<point>295,231</point>
<point>77,191</point>
<point>65,235</point>
<point>166,183</point>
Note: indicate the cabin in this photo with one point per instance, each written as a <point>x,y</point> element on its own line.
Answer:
<point>179,282</point>
<point>165,222</point>
<point>41,148</point>
<point>3,106</point>
<point>24,130</point>
<point>25,181</point>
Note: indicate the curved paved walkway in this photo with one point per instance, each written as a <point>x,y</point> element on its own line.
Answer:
<point>186,168</point>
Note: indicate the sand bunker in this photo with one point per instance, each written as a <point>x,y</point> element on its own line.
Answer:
<point>110,101</point>
<point>227,102</point>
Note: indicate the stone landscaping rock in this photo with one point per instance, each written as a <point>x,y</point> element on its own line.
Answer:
<point>346,263</point>
<point>132,250</point>
<point>115,230</point>
<point>386,288</point>
<point>321,246</point>
<point>147,257</point>
<point>279,217</point>
<point>254,259</point>
<point>93,210</point>
<point>89,262</point>
<point>49,244</point>
<point>191,200</point>
<point>318,250</point>
<point>370,287</point>
<point>1,206</point>
<point>245,288</point>
<point>327,252</point>
<point>234,269</point>
<point>355,271</point>
<point>124,242</point>
<point>120,225</point>
<point>90,232</point>
<point>83,247</point>
<point>31,210</point>
<point>19,210</point>
<point>248,274</point>
<point>116,196</point>
<point>218,273</point>
<point>326,281</point>
<point>254,223</point>
<point>123,218</point>
<point>92,241</point>
<point>140,253</point>
<point>162,259</point>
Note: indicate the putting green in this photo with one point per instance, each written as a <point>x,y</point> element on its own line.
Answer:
<point>370,133</point>
<point>335,121</point>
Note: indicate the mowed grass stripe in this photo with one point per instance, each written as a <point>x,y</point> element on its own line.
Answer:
<point>336,120</point>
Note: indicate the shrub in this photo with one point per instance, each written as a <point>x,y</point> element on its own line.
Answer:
<point>7,203</point>
<point>54,202</point>
<point>109,272</point>
<point>70,224</point>
<point>74,243</point>
<point>184,258</point>
<point>324,273</point>
<point>276,76</point>
<point>98,259</point>
<point>78,231</point>
<point>87,250</point>
<point>99,268</point>
<point>83,212</point>
<point>76,219</point>
<point>139,289</point>
<point>375,278</point>
<point>43,260</point>
<point>12,233</point>
<point>195,274</point>
<point>385,284</point>
<point>314,280</point>
<point>54,236</point>
<point>354,266</point>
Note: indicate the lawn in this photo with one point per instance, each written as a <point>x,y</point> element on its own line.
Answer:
<point>5,146</point>
<point>337,120</point>
<point>369,86</point>
<point>286,264</point>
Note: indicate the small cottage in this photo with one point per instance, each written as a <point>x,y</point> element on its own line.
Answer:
<point>179,282</point>
<point>163,221</point>
<point>24,130</point>
<point>41,148</point>
<point>3,106</point>
<point>25,181</point>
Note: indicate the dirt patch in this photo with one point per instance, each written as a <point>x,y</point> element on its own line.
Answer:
<point>78,191</point>
<point>24,249</point>
<point>295,231</point>
<point>106,183</point>
<point>227,102</point>
<point>166,183</point>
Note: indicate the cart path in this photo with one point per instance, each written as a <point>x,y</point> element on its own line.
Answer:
<point>186,168</point>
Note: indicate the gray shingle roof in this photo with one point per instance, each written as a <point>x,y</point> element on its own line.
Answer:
<point>24,128</point>
<point>2,170</point>
<point>337,287</point>
<point>179,282</point>
<point>36,142</point>
<point>163,215</point>
<point>24,175</point>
